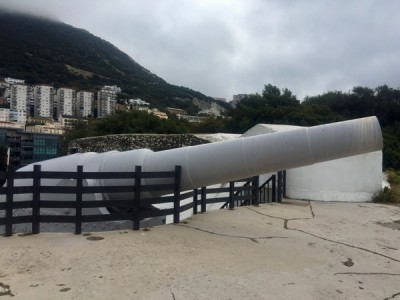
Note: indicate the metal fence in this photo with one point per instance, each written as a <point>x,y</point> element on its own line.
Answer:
<point>134,209</point>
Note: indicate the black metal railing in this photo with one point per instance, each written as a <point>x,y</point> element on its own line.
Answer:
<point>242,194</point>
<point>39,196</point>
<point>133,208</point>
<point>234,194</point>
<point>268,190</point>
<point>274,188</point>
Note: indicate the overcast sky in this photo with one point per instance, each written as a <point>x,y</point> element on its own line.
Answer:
<point>226,47</point>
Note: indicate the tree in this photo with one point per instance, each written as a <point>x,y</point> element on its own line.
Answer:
<point>387,104</point>
<point>80,129</point>
<point>210,125</point>
<point>275,97</point>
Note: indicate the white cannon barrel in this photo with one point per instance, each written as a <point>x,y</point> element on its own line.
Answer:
<point>245,157</point>
<point>225,161</point>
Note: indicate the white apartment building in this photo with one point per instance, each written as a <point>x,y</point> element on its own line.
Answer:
<point>66,100</point>
<point>68,122</point>
<point>43,97</point>
<point>84,101</point>
<point>9,115</point>
<point>106,100</point>
<point>17,116</point>
<point>4,114</point>
<point>19,97</point>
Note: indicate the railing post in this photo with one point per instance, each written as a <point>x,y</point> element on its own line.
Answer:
<point>256,192</point>
<point>203,199</point>
<point>231,194</point>
<point>9,202</point>
<point>136,198</point>
<point>273,188</point>
<point>78,202</point>
<point>195,194</point>
<point>284,184</point>
<point>265,190</point>
<point>177,194</point>
<point>36,199</point>
<point>279,199</point>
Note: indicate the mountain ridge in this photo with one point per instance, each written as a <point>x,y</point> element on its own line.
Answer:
<point>43,50</point>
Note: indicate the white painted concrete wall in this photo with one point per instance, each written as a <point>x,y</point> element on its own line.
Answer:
<point>354,179</point>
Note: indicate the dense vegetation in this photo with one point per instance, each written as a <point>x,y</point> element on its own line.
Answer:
<point>391,195</point>
<point>123,122</point>
<point>275,106</point>
<point>40,50</point>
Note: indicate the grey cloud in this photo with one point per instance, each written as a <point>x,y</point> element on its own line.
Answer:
<point>225,47</point>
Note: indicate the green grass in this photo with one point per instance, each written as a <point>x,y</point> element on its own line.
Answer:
<point>391,195</point>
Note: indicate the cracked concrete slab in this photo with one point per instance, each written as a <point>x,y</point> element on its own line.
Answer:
<point>294,250</point>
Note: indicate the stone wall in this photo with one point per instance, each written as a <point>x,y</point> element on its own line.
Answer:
<point>124,142</point>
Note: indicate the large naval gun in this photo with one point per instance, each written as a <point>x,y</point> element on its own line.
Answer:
<point>221,162</point>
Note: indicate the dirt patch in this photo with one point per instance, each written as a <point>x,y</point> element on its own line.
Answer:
<point>393,225</point>
<point>78,71</point>
<point>5,290</point>
<point>348,263</point>
<point>94,238</point>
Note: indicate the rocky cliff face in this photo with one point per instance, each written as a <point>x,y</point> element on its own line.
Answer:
<point>125,142</point>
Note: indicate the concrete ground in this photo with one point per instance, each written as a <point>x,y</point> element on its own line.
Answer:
<point>294,250</point>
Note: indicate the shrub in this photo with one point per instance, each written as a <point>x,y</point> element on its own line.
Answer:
<point>393,176</point>
<point>386,196</point>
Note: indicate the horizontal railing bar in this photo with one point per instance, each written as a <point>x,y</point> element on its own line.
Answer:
<point>158,200</point>
<point>57,175</point>
<point>108,175</point>
<point>157,213</point>
<point>21,219</point>
<point>21,190</point>
<point>158,175</point>
<point>158,187</point>
<point>23,175</point>
<point>186,207</point>
<point>108,189</point>
<point>217,200</point>
<point>186,195</point>
<point>58,189</point>
<point>20,204</point>
<point>88,175</point>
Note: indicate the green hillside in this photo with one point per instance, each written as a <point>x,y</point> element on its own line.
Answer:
<point>40,50</point>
